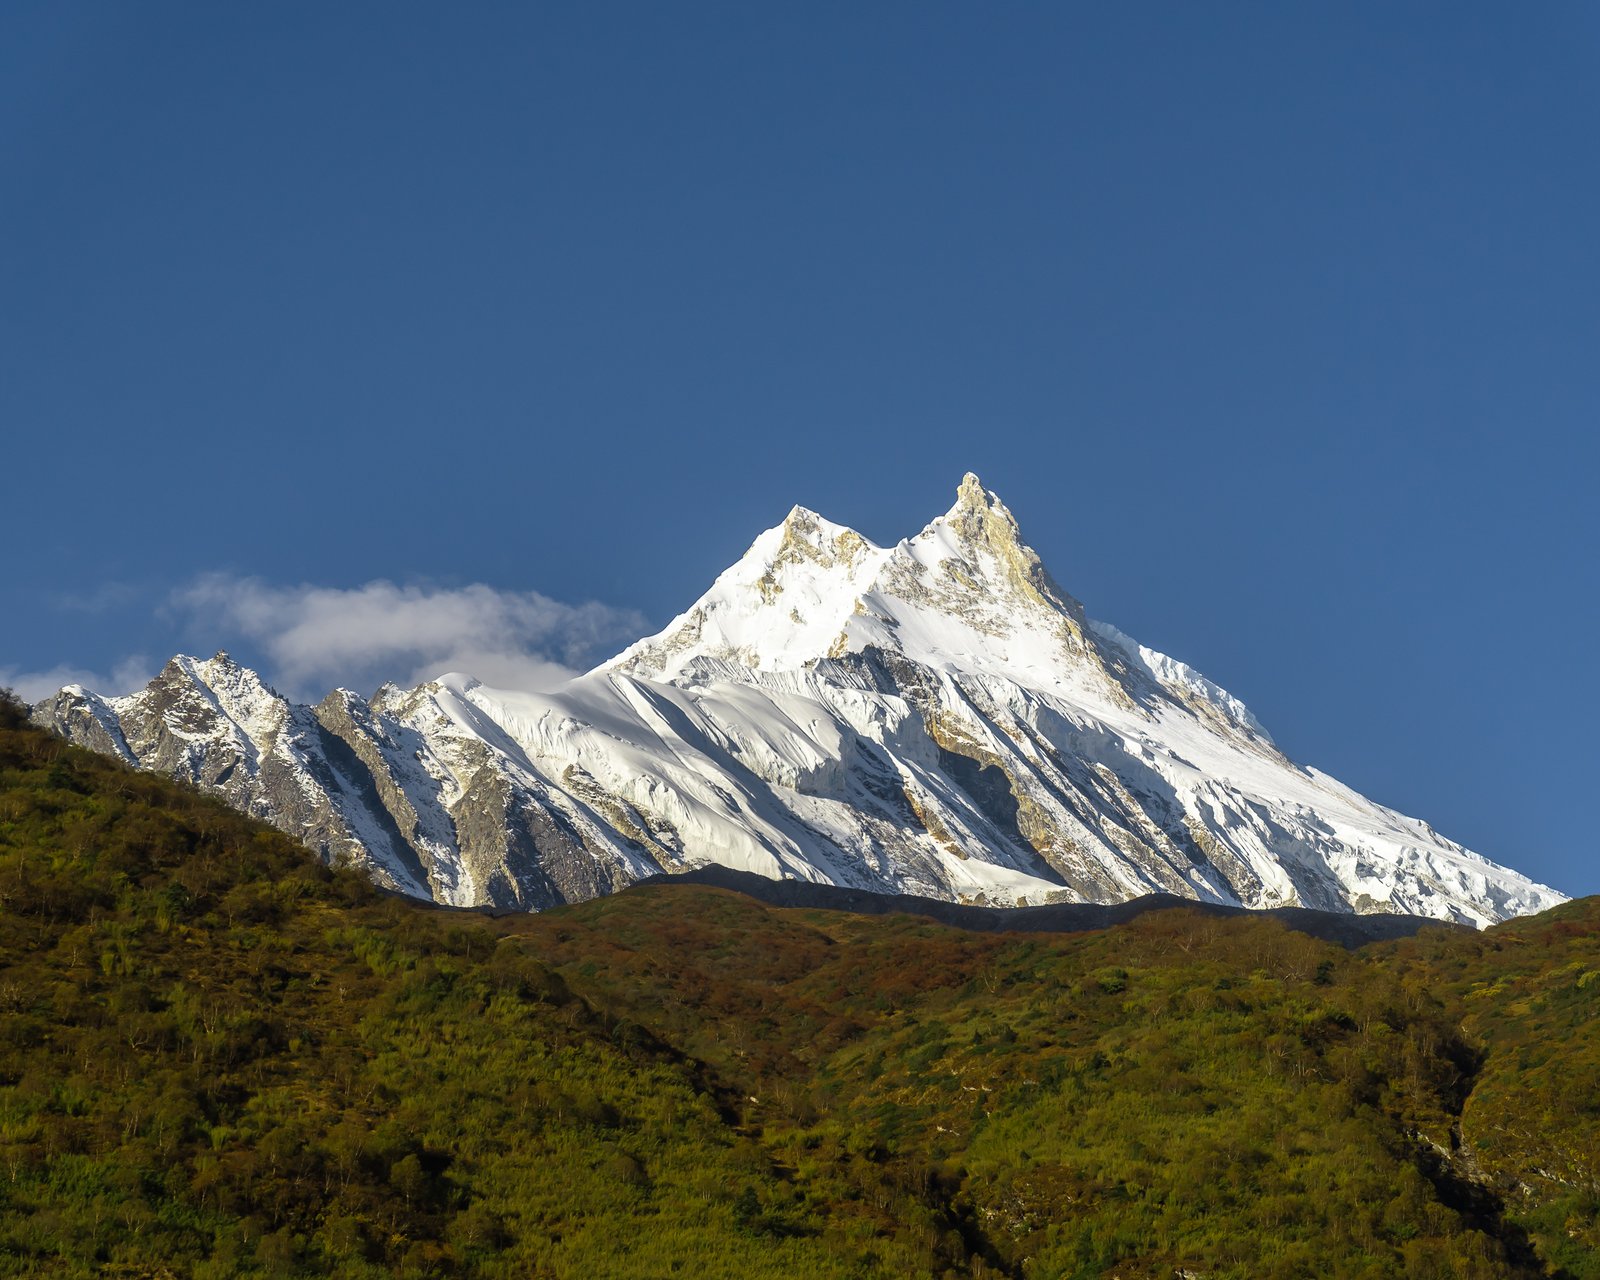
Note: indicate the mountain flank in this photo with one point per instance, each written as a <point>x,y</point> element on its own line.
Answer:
<point>936,718</point>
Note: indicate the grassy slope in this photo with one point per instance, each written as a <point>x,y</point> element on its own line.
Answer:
<point>218,1058</point>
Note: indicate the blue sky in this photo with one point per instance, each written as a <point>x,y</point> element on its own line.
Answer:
<point>1277,326</point>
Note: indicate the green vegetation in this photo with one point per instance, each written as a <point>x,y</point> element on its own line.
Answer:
<point>219,1058</point>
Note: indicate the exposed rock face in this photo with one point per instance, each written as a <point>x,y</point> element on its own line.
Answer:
<point>937,717</point>
<point>216,725</point>
<point>398,786</point>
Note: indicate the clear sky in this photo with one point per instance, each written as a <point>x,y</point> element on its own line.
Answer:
<point>355,338</point>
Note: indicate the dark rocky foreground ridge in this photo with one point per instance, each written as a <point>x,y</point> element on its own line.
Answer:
<point>1065,917</point>
<point>219,1057</point>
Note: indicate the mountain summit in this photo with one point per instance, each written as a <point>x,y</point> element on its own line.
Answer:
<point>964,594</point>
<point>938,717</point>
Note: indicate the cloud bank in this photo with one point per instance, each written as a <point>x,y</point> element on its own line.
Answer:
<point>34,686</point>
<point>318,637</point>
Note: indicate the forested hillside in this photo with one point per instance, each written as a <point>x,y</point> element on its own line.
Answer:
<point>219,1058</point>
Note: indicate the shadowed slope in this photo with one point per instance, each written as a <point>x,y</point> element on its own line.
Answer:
<point>1331,926</point>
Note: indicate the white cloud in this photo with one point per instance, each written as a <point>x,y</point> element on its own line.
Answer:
<point>317,637</point>
<point>34,686</point>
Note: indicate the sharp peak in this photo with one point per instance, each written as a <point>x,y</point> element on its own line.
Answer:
<point>800,517</point>
<point>219,667</point>
<point>221,658</point>
<point>804,526</point>
<point>972,496</point>
<point>979,515</point>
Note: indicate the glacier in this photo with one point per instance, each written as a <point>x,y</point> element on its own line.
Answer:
<point>937,718</point>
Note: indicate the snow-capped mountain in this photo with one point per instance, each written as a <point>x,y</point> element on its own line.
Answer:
<point>937,717</point>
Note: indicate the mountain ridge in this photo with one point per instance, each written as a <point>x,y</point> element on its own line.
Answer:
<point>1346,929</point>
<point>937,718</point>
